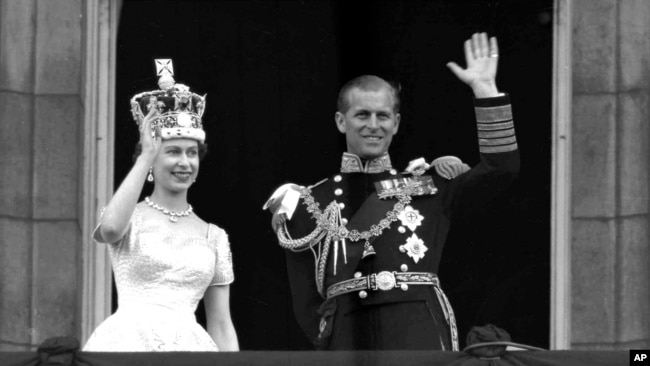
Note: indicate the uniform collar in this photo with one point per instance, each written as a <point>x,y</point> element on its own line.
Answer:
<point>351,163</point>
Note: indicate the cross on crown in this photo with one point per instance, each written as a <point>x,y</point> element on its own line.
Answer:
<point>180,110</point>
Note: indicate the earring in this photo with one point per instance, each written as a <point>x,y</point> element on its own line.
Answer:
<point>150,175</point>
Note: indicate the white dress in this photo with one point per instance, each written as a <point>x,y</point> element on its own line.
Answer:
<point>160,278</point>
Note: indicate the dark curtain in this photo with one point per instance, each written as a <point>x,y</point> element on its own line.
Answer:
<point>271,71</point>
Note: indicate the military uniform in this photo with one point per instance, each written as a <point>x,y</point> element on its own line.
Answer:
<point>364,246</point>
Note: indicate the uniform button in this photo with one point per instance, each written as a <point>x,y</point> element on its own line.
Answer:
<point>342,205</point>
<point>357,274</point>
<point>404,267</point>
<point>344,221</point>
<point>404,287</point>
<point>338,191</point>
<point>337,178</point>
<point>401,229</point>
<point>363,294</point>
<point>402,249</point>
<point>393,171</point>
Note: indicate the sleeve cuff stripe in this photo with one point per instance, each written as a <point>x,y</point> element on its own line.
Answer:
<point>492,122</point>
<point>499,133</point>
<point>497,149</point>
<point>495,126</point>
<point>500,141</point>
<point>488,121</point>
<point>500,113</point>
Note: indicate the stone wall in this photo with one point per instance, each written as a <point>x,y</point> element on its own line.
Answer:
<point>41,131</point>
<point>611,113</point>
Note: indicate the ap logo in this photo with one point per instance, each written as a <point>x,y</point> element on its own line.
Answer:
<point>639,357</point>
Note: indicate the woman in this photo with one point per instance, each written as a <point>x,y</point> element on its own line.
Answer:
<point>164,257</point>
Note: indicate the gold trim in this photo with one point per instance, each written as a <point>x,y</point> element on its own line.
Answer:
<point>493,114</point>
<point>496,133</point>
<point>351,163</point>
<point>494,142</point>
<point>497,149</point>
<point>495,126</point>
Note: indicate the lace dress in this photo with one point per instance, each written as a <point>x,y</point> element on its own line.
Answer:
<point>160,277</point>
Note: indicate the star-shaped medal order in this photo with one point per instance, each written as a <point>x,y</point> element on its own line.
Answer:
<point>415,248</point>
<point>411,218</point>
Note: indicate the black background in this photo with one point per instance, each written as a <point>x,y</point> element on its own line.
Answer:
<point>272,70</point>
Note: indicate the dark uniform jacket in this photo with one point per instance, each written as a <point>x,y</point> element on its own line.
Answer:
<point>413,317</point>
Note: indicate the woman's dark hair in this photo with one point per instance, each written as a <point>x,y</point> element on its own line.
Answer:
<point>203,150</point>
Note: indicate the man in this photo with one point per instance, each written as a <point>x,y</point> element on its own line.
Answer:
<point>363,247</point>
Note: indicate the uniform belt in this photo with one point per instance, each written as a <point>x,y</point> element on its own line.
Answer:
<point>383,281</point>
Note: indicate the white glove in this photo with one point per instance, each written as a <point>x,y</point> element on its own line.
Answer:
<point>450,166</point>
<point>416,164</point>
<point>283,203</point>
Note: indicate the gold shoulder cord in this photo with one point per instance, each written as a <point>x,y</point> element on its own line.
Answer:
<point>328,225</point>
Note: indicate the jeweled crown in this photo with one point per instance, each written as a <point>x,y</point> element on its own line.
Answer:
<point>180,110</point>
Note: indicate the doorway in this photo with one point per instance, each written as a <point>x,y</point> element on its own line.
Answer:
<point>271,71</point>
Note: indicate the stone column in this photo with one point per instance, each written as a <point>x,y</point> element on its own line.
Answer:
<point>41,130</point>
<point>611,113</point>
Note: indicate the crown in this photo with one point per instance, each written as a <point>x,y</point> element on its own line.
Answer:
<point>180,110</point>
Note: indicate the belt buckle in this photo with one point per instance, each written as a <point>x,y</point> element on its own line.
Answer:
<point>385,281</point>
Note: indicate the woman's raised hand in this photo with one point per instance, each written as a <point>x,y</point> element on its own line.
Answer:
<point>150,141</point>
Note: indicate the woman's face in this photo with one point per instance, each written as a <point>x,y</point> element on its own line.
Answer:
<point>177,164</point>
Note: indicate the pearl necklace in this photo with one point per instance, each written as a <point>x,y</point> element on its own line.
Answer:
<point>173,215</point>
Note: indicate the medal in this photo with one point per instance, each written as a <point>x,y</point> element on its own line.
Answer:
<point>417,185</point>
<point>410,218</point>
<point>414,248</point>
<point>368,249</point>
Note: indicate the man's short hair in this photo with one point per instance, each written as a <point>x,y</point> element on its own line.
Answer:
<point>366,83</point>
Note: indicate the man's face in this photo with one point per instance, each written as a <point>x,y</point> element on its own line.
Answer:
<point>370,123</point>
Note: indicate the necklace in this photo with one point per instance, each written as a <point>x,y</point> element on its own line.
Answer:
<point>173,215</point>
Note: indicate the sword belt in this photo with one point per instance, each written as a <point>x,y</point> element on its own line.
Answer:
<point>383,281</point>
